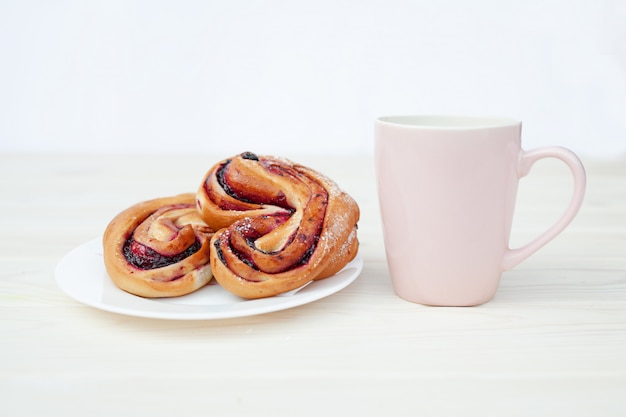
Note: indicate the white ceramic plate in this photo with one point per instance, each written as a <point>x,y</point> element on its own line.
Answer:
<point>82,276</point>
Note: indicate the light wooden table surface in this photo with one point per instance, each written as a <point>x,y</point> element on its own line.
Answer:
<point>552,342</point>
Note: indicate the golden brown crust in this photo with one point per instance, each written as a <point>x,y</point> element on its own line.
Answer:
<point>281,224</point>
<point>163,231</point>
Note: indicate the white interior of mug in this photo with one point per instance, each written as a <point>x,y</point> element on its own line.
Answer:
<point>443,121</point>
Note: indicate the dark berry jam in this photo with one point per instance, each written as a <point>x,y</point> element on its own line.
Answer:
<point>245,196</point>
<point>219,252</point>
<point>249,155</point>
<point>221,180</point>
<point>142,257</point>
<point>307,255</point>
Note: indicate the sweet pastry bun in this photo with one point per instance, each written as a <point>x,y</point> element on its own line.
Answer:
<point>159,248</point>
<point>279,225</point>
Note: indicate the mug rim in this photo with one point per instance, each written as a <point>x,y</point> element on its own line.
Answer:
<point>443,121</point>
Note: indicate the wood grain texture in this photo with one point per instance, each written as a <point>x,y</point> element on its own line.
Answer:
<point>552,342</point>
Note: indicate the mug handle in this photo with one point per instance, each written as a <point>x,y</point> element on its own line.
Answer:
<point>512,257</point>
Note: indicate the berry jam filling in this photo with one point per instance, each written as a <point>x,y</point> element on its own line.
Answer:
<point>219,252</point>
<point>279,200</point>
<point>221,180</point>
<point>250,155</point>
<point>144,258</point>
<point>249,236</point>
<point>307,255</point>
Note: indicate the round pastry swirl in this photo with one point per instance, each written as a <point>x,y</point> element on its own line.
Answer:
<point>280,225</point>
<point>159,248</point>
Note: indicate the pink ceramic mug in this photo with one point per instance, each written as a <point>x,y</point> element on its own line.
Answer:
<point>447,188</point>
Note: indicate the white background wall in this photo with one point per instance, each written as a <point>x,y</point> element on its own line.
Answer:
<point>289,77</point>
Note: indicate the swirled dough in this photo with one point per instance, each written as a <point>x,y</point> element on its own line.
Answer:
<point>279,224</point>
<point>159,248</point>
